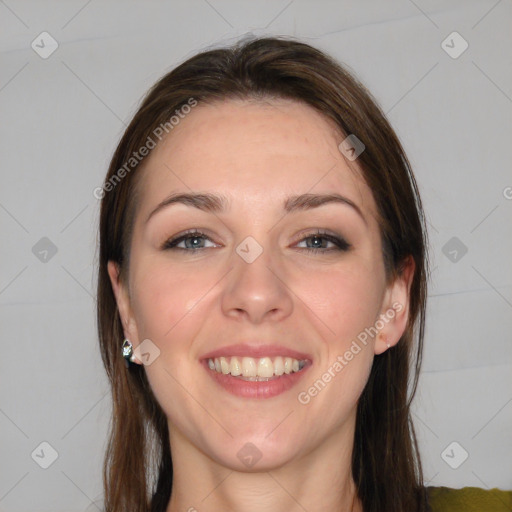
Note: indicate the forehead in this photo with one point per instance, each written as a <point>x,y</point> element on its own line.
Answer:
<point>261,150</point>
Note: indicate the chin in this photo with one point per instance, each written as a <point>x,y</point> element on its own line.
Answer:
<point>257,453</point>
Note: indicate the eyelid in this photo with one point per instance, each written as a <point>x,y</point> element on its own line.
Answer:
<point>304,233</point>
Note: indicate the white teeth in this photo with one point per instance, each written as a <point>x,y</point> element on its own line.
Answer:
<point>265,367</point>
<point>250,368</point>
<point>224,366</point>
<point>236,369</point>
<point>278,365</point>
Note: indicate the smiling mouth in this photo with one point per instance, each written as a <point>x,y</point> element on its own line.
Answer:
<point>256,369</point>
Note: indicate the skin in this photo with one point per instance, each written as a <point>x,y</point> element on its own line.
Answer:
<point>189,303</point>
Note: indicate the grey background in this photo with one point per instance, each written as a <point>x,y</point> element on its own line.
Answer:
<point>61,119</point>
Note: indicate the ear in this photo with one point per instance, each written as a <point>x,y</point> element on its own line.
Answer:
<point>394,314</point>
<point>123,305</point>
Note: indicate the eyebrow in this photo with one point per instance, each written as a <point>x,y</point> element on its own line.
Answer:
<point>215,203</point>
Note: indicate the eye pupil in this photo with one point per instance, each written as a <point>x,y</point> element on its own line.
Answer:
<point>194,241</point>
<point>316,241</point>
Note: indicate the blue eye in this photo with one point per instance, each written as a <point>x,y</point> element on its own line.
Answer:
<point>192,240</point>
<point>317,242</point>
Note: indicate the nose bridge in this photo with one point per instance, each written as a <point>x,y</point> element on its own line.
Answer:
<point>256,289</point>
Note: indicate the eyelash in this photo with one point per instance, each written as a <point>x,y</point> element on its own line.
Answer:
<point>340,243</point>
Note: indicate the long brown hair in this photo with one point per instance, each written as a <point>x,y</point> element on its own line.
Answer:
<point>385,465</point>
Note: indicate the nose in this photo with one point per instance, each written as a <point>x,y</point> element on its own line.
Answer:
<point>257,291</point>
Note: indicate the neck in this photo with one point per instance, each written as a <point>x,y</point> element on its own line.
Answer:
<point>319,479</point>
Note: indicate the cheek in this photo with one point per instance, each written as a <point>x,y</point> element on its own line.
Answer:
<point>170,302</point>
<point>170,307</point>
<point>163,298</point>
<point>345,301</point>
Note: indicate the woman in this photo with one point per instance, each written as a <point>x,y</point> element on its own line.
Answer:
<point>263,273</point>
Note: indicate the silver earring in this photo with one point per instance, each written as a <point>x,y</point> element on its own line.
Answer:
<point>129,356</point>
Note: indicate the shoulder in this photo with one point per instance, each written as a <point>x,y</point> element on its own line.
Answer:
<point>469,499</point>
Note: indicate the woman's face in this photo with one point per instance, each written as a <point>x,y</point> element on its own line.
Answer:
<point>277,271</point>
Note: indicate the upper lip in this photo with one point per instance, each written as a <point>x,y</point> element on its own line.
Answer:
<point>256,351</point>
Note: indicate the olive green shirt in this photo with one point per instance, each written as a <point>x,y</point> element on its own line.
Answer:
<point>469,499</point>
<point>441,499</point>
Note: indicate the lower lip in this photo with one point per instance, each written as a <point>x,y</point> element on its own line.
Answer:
<point>254,389</point>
